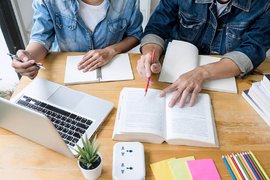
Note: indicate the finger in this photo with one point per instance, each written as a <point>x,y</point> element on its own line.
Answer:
<point>147,65</point>
<point>22,65</point>
<point>85,58</point>
<point>175,98</point>
<point>95,66</point>
<point>194,96</point>
<point>155,68</point>
<point>23,55</point>
<point>141,69</point>
<point>168,89</point>
<point>31,75</point>
<point>184,97</point>
<point>91,65</point>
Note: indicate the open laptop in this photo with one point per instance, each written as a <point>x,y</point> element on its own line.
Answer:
<point>53,115</point>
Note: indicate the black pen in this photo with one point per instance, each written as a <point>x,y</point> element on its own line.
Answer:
<point>13,56</point>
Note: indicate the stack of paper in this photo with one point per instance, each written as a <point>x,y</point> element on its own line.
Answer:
<point>258,96</point>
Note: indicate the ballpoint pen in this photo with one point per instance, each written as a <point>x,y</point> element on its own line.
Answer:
<point>148,80</point>
<point>13,56</point>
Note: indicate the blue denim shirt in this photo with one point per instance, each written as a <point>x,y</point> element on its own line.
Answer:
<point>241,32</point>
<point>59,21</point>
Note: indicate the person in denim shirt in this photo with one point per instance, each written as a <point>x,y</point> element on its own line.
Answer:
<point>102,28</point>
<point>237,29</point>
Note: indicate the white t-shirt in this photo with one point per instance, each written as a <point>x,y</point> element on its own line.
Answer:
<point>221,7</point>
<point>92,15</point>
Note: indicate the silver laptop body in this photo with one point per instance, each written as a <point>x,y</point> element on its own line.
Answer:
<point>57,105</point>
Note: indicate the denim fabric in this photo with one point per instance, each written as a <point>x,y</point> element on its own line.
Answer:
<point>59,21</point>
<point>241,32</point>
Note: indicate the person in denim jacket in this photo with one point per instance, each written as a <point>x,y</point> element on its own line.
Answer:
<point>237,29</point>
<point>102,28</point>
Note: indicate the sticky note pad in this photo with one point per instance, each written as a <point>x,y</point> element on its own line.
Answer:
<point>161,170</point>
<point>179,168</point>
<point>203,169</point>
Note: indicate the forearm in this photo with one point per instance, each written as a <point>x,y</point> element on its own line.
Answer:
<point>222,69</point>
<point>123,46</point>
<point>37,51</point>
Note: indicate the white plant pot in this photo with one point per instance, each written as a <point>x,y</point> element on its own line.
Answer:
<point>91,174</point>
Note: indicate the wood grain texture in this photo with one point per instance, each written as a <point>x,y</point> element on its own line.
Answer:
<point>239,128</point>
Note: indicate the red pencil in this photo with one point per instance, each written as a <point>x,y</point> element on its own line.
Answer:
<point>235,164</point>
<point>148,80</point>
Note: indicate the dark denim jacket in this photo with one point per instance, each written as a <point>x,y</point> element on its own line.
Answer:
<point>241,32</point>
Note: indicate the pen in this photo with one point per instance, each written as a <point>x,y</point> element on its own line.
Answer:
<point>13,56</point>
<point>148,80</point>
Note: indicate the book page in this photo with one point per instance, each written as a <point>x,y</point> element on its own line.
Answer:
<point>142,114</point>
<point>223,85</point>
<point>74,76</point>
<point>117,69</point>
<point>191,125</point>
<point>180,58</point>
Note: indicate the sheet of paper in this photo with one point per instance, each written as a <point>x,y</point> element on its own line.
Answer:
<point>118,69</point>
<point>203,169</point>
<point>74,76</point>
<point>180,57</point>
<point>161,170</point>
<point>179,168</point>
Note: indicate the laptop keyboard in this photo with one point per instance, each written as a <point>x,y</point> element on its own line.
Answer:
<point>70,126</point>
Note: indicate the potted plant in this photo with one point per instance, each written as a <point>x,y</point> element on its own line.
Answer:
<point>89,159</point>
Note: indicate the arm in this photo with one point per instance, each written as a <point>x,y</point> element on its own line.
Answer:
<point>42,37</point>
<point>165,15</point>
<point>190,83</point>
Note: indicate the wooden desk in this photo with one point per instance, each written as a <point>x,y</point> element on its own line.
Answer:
<point>239,128</point>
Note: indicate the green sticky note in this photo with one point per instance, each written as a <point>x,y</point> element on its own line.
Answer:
<point>179,168</point>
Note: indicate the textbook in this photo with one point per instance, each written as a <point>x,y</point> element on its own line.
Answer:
<point>150,119</point>
<point>118,69</point>
<point>182,57</point>
<point>258,96</point>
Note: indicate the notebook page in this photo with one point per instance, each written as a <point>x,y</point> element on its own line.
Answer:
<point>180,58</point>
<point>74,76</point>
<point>117,69</point>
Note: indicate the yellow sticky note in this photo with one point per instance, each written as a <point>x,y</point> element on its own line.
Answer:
<point>161,170</point>
<point>179,168</point>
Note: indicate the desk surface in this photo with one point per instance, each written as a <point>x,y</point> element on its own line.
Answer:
<point>239,128</point>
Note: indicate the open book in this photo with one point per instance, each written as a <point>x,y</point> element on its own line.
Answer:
<point>150,119</point>
<point>117,69</point>
<point>182,57</point>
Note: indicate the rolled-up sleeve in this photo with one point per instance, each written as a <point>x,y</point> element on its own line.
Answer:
<point>43,31</point>
<point>256,41</point>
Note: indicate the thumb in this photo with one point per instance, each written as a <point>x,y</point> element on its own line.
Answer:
<point>156,68</point>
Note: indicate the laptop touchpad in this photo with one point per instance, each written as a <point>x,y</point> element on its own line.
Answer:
<point>65,97</point>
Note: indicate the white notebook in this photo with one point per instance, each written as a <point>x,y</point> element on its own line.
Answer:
<point>118,69</point>
<point>182,57</point>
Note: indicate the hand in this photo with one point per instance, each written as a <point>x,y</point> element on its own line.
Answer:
<point>95,59</point>
<point>144,67</point>
<point>26,67</point>
<point>186,87</point>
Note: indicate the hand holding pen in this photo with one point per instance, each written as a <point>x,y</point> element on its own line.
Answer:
<point>24,64</point>
<point>13,56</point>
<point>149,78</point>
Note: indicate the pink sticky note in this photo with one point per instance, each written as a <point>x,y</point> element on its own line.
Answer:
<point>203,169</point>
